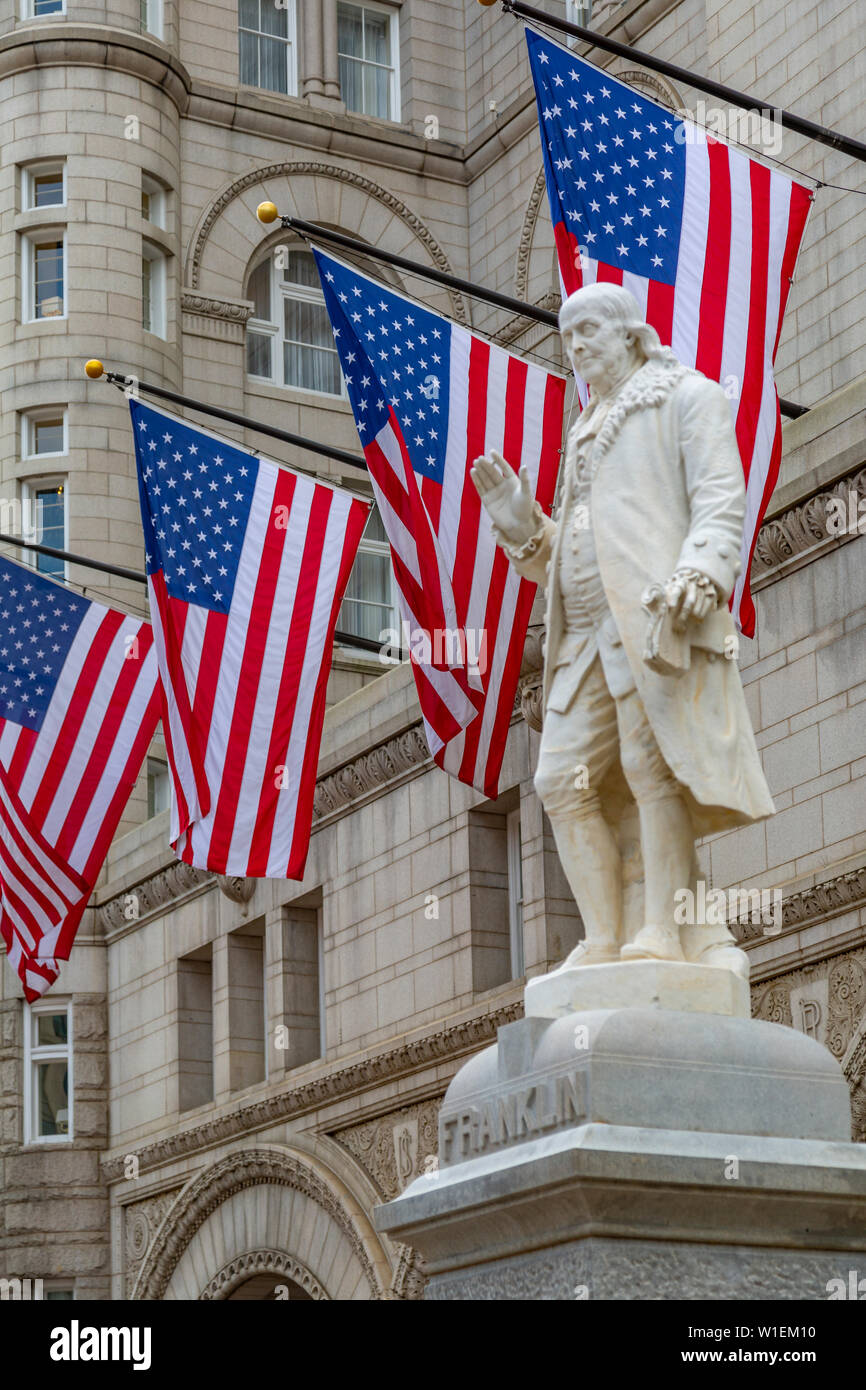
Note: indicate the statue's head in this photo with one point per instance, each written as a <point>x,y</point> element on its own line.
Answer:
<point>605,335</point>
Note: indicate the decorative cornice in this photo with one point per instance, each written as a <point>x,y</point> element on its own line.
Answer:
<point>177,880</point>
<point>327,171</point>
<point>245,1267</point>
<point>231,310</point>
<point>96,46</point>
<point>369,771</point>
<point>827,899</point>
<point>445,1045</point>
<point>804,527</point>
<point>248,1168</point>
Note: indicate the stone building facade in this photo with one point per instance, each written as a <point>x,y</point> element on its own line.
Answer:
<point>247,1068</point>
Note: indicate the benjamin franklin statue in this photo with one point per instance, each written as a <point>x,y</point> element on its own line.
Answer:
<point>643,703</point>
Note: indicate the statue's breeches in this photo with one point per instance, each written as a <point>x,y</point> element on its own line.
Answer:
<point>579,747</point>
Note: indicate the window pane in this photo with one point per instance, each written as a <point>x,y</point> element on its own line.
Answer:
<point>275,70</point>
<point>52,528</point>
<point>51,1030</point>
<point>274,21</point>
<point>259,355</point>
<point>158,793</point>
<point>52,1098</point>
<point>374,530</point>
<point>301,270</point>
<point>377,92</point>
<point>308,323</point>
<point>47,436</point>
<point>47,190</point>
<point>313,368</point>
<point>351,84</point>
<point>249,59</point>
<point>41,7</point>
<point>350,34</point>
<point>248,12</point>
<point>146,294</point>
<point>366,609</point>
<point>59,1295</point>
<point>376,37</point>
<point>259,291</point>
<point>48,279</point>
<point>145,205</point>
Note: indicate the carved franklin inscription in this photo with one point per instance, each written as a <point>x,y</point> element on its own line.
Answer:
<point>506,1118</point>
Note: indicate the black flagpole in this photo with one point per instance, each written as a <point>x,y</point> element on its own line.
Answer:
<point>844,143</point>
<point>440,277</point>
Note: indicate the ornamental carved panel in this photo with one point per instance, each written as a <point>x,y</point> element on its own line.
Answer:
<point>141,1221</point>
<point>827,1001</point>
<point>395,1149</point>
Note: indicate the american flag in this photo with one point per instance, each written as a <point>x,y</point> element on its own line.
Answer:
<point>79,704</point>
<point>428,397</point>
<point>247,563</point>
<point>704,237</point>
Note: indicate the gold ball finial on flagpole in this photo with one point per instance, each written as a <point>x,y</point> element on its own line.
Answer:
<point>487,2</point>
<point>94,369</point>
<point>267,212</point>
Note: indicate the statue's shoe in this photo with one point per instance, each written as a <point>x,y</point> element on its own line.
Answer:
<point>725,957</point>
<point>654,943</point>
<point>587,953</point>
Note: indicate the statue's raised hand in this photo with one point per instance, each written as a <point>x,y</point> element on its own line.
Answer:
<point>506,495</point>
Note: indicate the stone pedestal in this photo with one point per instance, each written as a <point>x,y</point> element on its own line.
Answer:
<point>642,1152</point>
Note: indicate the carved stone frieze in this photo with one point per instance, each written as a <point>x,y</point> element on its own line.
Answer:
<point>804,527</point>
<point>141,1221</point>
<point>235,311</point>
<point>821,900</point>
<point>245,1267</point>
<point>444,1044</point>
<point>826,1000</point>
<point>213,1186</point>
<point>293,170</point>
<point>170,883</point>
<point>370,770</point>
<point>396,1148</point>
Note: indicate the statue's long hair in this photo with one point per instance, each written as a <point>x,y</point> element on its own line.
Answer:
<point>619,303</point>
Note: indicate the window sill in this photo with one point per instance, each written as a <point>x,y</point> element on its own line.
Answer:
<point>298,395</point>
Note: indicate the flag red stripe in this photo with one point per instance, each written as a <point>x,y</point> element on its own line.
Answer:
<point>753,376</point>
<point>293,664</point>
<point>301,838</point>
<point>714,286</point>
<point>75,713</point>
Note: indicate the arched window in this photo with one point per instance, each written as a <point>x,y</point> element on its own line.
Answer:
<point>289,338</point>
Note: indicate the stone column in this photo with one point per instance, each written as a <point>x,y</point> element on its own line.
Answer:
<point>312,81</point>
<point>292,983</point>
<point>331,64</point>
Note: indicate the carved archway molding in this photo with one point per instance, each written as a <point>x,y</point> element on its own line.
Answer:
<point>247,1266</point>
<point>317,169</point>
<point>215,1185</point>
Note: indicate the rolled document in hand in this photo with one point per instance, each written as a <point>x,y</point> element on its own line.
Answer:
<point>666,652</point>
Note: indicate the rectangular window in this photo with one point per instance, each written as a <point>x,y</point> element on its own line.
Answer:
<point>367,50</point>
<point>44,504</point>
<point>48,1072</point>
<point>370,604</point>
<point>37,9</point>
<point>153,276</point>
<point>44,186</point>
<point>44,276</point>
<point>43,434</point>
<point>514,856</point>
<point>496,892</point>
<point>195,1028</point>
<point>150,17</point>
<point>266,45</point>
<point>246,977</point>
<point>152,201</point>
<point>158,787</point>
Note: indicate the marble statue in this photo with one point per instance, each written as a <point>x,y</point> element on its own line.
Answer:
<point>646,737</point>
